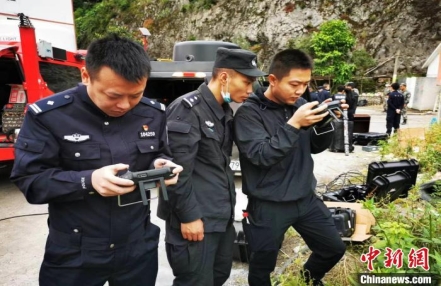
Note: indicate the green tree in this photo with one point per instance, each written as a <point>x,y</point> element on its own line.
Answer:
<point>96,20</point>
<point>362,61</point>
<point>332,46</point>
<point>84,4</point>
<point>303,43</point>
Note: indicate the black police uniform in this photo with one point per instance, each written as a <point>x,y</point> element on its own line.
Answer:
<point>277,176</point>
<point>394,102</point>
<point>323,95</point>
<point>352,101</point>
<point>201,141</point>
<point>64,138</point>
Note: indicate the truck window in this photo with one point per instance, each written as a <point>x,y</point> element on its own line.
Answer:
<point>59,77</point>
<point>9,75</point>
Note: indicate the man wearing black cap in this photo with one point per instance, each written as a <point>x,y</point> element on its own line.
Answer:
<point>200,211</point>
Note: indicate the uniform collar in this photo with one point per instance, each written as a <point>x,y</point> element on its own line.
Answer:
<point>208,96</point>
<point>84,96</point>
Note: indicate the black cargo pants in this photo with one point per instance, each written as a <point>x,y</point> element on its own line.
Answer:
<point>268,222</point>
<point>200,263</point>
<point>392,120</point>
<point>72,259</point>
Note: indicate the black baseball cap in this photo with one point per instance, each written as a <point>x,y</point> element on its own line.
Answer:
<point>242,61</point>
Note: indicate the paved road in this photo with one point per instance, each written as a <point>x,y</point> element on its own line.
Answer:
<point>22,239</point>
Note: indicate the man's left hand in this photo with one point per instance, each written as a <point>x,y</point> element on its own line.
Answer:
<point>161,163</point>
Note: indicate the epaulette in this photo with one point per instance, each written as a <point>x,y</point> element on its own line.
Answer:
<point>51,102</point>
<point>191,99</point>
<point>153,103</point>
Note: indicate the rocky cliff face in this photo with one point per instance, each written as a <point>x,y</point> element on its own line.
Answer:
<point>381,27</point>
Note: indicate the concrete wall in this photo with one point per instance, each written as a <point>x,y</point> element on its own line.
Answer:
<point>424,92</point>
<point>432,70</point>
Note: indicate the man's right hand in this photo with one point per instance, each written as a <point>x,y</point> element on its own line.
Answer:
<point>193,231</point>
<point>107,184</point>
<point>306,116</point>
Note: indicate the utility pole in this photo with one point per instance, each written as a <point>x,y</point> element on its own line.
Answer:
<point>394,77</point>
<point>439,107</point>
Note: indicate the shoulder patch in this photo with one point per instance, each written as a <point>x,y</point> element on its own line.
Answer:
<point>190,100</point>
<point>153,103</point>
<point>51,102</point>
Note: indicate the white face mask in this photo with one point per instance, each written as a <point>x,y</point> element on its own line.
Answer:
<point>226,95</point>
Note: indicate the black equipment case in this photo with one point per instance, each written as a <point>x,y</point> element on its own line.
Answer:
<point>344,219</point>
<point>349,194</point>
<point>390,187</point>
<point>369,138</point>
<point>411,166</point>
<point>362,122</point>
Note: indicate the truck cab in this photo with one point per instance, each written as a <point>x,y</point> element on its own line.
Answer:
<point>191,65</point>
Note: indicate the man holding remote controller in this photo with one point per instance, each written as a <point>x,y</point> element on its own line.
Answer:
<point>273,131</point>
<point>70,151</point>
<point>199,215</point>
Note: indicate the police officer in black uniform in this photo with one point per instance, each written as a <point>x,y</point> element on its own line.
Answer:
<point>70,149</point>
<point>352,96</point>
<point>395,103</point>
<point>199,215</point>
<point>275,139</point>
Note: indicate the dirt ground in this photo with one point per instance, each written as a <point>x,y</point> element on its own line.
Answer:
<point>22,239</point>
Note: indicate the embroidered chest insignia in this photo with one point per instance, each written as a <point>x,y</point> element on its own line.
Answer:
<point>76,138</point>
<point>209,124</point>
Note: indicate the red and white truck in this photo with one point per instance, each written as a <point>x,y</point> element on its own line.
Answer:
<point>38,57</point>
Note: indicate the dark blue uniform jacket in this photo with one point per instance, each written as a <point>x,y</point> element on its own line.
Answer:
<point>395,101</point>
<point>201,140</point>
<point>64,138</point>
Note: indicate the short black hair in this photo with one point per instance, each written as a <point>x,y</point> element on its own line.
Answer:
<point>123,56</point>
<point>286,60</point>
<point>217,71</point>
<point>340,88</point>
<point>395,86</point>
